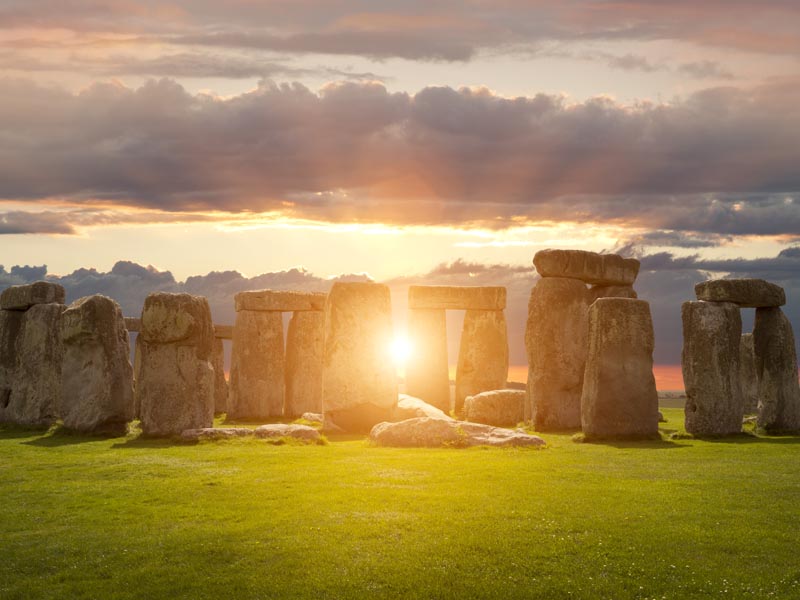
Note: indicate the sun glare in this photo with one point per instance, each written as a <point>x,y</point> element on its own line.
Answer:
<point>400,350</point>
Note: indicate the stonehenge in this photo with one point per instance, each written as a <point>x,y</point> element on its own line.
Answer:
<point>776,369</point>
<point>748,377</point>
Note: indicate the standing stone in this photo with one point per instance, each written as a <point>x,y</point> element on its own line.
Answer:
<point>220,385</point>
<point>257,380</point>
<point>501,408</point>
<point>304,347</point>
<point>36,390</point>
<point>776,366</point>
<point>556,339</point>
<point>359,383</point>
<point>482,356</point>
<point>611,291</point>
<point>10,327</point>
<point>137,366</point>
<point>748,377</point>
<point>712,334</point>
<point>619,391</point>
<point>175,375</point>
<point>96,377</point>
<point>22,297</point>
<point>427,373</point>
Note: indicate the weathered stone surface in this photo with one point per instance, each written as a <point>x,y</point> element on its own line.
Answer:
<point>170,318</point>
<point>502,408</point>
<point>712,334</point>
<point>611,291</point>
<point>96,377</point>
<point>359,383</point>
<point>427,432</point>
<point>482,355</point>
<point>427,374</point>
<point>748,377</point>
<point>257,361</point>
<point>137,365</point>
<point>304,345</point>
<point>312,417</point>
<point>22,297</point>
<point>35,395</point>
<point>215,433</point>
<point>175,379</point>
<point>409,407</point>
<point>133,324</point>
<point>776,366</point>
<point>279,301</point>
<point>619,390</point>
<point>589,267</point>
<point>442,297</point>
<point>746,293</point>
<point>220,383</point>
<point>223,332</point>
<point>556,340</point>
<point>10,327</point>
<point>279,430</point>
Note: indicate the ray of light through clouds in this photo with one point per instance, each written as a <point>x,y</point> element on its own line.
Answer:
<point>404,140</point>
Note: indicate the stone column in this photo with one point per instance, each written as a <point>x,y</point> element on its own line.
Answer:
<point>220,384</point>
<point>482,356</point>
<point>619,397</point>
<point>359,383</point>
<point>304,347</point>
<point>97,377</point>
<point>712,334</point>
<point>175,375</point>
<point>257,379</point>
<point>10,327</point>
<point>776,366</point>
<point>427,374</point>
<point>748,377</point>
<point>556,339</point>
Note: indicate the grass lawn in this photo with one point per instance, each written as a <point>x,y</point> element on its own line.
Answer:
<point>127,518</point>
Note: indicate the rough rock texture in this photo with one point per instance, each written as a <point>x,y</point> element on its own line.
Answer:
<point>611,291</point>
<point>359,383</point>
<point>279,301</point>
<point>35,396</point>
<point>426,432</point>
<point>215,433</point>
<point>22,297</point>
<point>279,430</point>
<point>257,366</point>
<point>589,267</point>
<point>304,346</point>
<point>748,377</point>
<point>175,378</point>
<point>10,327</point>
<point>223,332</point>
<point>712,334</point>
<point>312,417</point>
<point>482,356</point>
<point>427,374</point>
<point>220,384</point>
<point>502,408</point>
<point>97,377</point>
<point>409,407</point>
<point>776,366</point>
<point>556,340</point>
<point>747,293</point>
<point>456,297</point>
<point>619,391</point>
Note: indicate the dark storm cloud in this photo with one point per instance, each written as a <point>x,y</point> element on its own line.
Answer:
<point>722,161</point>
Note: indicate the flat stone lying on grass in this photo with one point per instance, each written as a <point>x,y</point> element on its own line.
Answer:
<point>215,433</point>
<point>747,293</point>
<point>589,267</point>
<point>409,407</point>
<point>22,297</point>
<point>279,430</point>
<point>426,432</point>
<point>502,408</point>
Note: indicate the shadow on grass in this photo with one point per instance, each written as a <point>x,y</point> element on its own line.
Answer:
<point>65,437</point>
<point>750,438</point>
<point>11,432</point>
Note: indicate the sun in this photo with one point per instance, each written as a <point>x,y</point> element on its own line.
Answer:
<point>400,350</point>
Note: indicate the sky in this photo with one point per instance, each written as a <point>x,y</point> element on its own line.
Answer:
<point>402,141</point>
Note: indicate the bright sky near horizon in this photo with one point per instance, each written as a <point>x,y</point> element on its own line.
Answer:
<point>390,138</point>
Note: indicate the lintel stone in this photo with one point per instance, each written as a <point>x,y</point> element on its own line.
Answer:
<point>457,297</point>
<point>279,301</point>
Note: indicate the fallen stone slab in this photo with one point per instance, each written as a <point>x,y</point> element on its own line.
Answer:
<point>427,432</point>
<point>22,297</point>
<point>280,430</point>
<point>747,293</point>
<point>502,408</point>
<point>215,433</point>
<point>589,267</point>
<point>456,297</point>
<point>279,301</point>
<point>409,407</point>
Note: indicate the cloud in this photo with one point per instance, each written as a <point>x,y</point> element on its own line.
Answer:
<point>705,69</point>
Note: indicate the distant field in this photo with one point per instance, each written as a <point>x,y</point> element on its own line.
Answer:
<point>128,518</point>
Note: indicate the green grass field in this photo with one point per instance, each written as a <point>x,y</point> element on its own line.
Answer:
<point>127,518</point>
